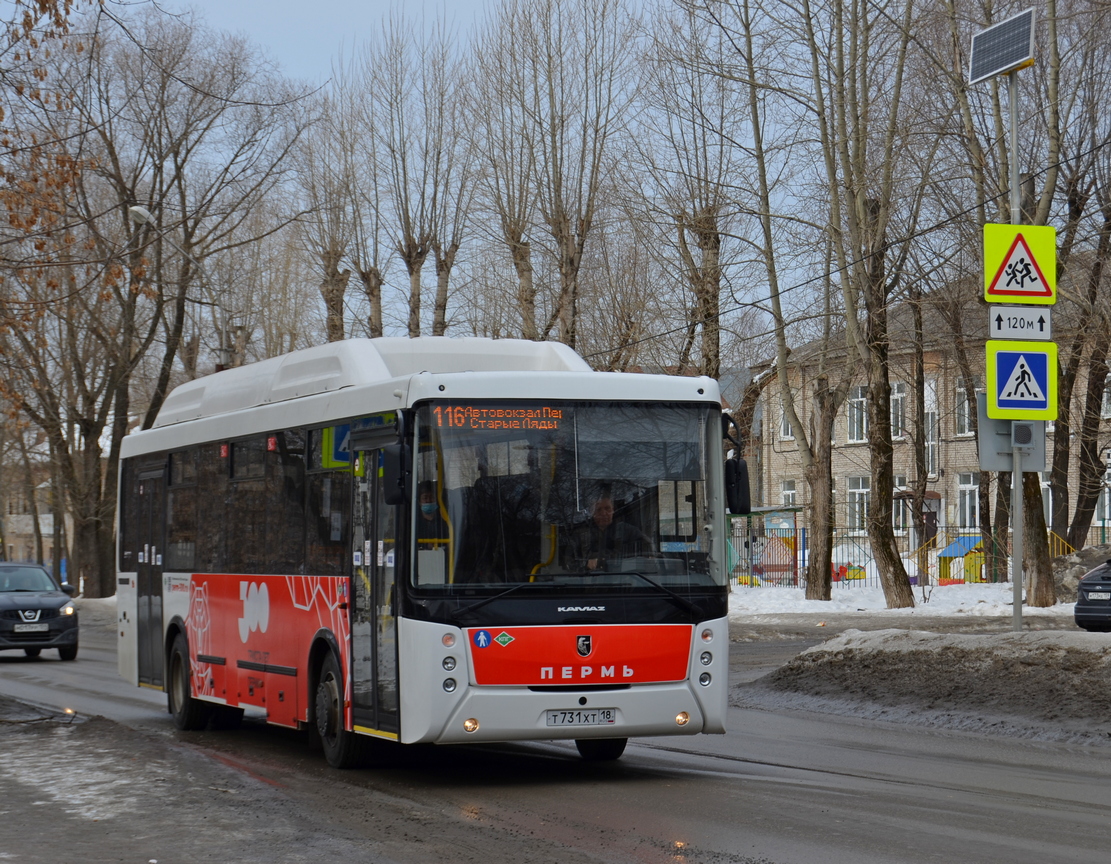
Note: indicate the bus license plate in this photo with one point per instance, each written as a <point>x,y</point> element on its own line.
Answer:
<point>580,717</point>
<point>31,628</point>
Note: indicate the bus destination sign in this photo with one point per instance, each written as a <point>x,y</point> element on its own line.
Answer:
<point>495,418</point>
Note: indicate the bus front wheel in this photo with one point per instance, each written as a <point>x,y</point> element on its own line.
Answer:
<point>189,713</point>
<point>341,748</point>
<point>601,749</point>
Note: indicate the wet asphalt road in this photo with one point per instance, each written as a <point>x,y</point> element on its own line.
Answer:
<point>782,787</point>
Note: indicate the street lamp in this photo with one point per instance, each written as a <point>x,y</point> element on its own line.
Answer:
<point>141,216</point>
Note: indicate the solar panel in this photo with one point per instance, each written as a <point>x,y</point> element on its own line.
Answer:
<point>1002,48</point>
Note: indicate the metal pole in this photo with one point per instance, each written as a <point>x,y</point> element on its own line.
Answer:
<point>1016,473</point>
<point>1016,538</point>
<point>1012,91</point>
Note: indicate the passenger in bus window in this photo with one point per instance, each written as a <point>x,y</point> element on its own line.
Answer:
<point>431,528</point>
<point>602,540</point>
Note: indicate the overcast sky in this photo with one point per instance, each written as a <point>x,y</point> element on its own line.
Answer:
<point>304,35</point>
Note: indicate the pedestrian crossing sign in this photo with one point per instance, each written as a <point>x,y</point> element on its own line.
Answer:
<point>1022,380</point>
<point>1020,264</point>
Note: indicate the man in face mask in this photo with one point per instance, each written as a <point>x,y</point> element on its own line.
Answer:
<point>431,528</point>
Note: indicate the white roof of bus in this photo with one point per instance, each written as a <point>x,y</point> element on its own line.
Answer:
<point>354,362</point>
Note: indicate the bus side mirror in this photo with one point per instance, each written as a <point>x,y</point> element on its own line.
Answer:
<point>736,486</point>
<point>395,473</point>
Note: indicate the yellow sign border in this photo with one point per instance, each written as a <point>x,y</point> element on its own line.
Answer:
<point>1041,240</point>
<point>992,348</point>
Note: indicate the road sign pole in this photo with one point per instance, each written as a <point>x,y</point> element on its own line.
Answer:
<point>1012,91</point>
<point>1016,538</point>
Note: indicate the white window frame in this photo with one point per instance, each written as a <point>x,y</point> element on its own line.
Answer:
<point>789,493</point>
<point>962,410</point>
<point>900,507</point>
<point>859,490</point>
<point>898,409</point>
<point>931,422</point>
<point>856,425</point>
<point>968,500</point>
<point>786,430</point>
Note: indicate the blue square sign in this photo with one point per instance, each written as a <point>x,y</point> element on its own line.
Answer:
<point>1022,380</point>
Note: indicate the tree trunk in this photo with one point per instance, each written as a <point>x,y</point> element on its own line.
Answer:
<point>521,252</point>
<point>372,288</point>
<point>332,287</point>
<point>1037,565</point>
<point>445,260</point>
<point>819,480</point>
<point>1092,470</point>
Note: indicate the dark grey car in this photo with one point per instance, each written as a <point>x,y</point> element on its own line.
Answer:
<point>35,612</point>
<point>1093,599</point>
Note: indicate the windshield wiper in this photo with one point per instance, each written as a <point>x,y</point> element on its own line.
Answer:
<point>681,601</point>
<point>491,599</point>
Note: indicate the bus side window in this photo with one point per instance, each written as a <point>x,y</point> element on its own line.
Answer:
<point>285,494</point>
<point>129,509</point>
<point>328,522</point>
<point>212,489</point>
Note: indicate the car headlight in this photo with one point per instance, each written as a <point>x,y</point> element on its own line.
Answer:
<point>68,609</point>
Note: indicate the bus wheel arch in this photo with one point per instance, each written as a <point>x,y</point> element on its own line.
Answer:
<point>327,728</point>
<point>189,714</point>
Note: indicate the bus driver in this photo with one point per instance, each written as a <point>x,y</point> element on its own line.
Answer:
<point>602,539</point>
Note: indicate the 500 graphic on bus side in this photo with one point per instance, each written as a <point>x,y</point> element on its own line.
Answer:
<point>576,717</point>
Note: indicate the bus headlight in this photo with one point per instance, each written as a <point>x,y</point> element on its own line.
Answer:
<point>449,685</point>
<point>682,718</point>
<point>448,640</point>
<point>706,658</point>
<point>470,725</point>
<point>449,663</point>
<point>707,635</point>
<point>704,679</point>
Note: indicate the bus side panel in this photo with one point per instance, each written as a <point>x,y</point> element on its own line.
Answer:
<point>713,698</point>
<point>262,627</point>
<point>425,705</point>
<point>127,610</point>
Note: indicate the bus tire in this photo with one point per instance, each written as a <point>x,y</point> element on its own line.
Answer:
<point>189,714</point>
<point>32,652</point>
<point>68,653</point>
<point>601,749</point>
<point>341,748</point>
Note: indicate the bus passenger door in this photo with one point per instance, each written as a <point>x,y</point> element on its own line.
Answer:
<point>150,515</point>
<point>374,605</point>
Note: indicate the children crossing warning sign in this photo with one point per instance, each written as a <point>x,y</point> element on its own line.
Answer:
<point>1022,380</point>
<point>1020,264</point>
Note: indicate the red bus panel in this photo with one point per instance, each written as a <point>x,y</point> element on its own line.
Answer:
<point>580,654</point>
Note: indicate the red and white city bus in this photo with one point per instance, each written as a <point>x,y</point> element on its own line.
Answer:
<point>408,539</point>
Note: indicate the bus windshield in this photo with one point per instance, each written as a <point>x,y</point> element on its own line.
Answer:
<point>606,494</point>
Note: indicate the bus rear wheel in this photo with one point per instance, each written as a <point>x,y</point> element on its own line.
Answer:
<point>601,749</point>
<point>189,714</point>
<point>341,748</point>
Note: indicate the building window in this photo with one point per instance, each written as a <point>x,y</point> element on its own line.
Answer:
<point>898,410</point>
<point>786,431</point>
<point>930,421</point>
<point>968,491</point>
<point>858,415</point>
<point>790,495</point>
<point>963,410</point>
<point>1103,503</point>
<point>858,503</point>
<point>900,510</point>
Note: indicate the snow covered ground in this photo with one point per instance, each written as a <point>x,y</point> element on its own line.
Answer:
<point>988,600</point>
